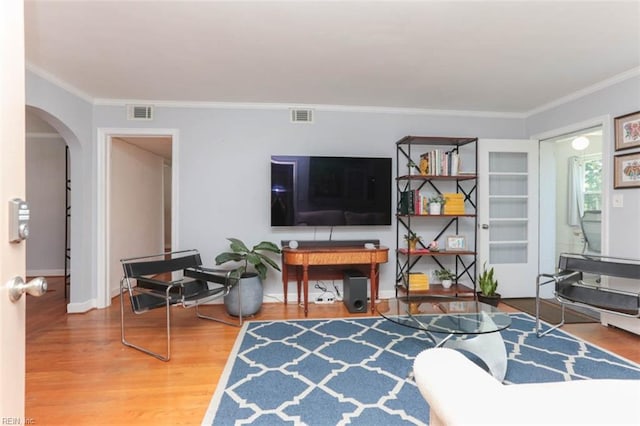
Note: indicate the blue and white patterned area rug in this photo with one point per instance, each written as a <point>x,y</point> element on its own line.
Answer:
<point>355,371</point>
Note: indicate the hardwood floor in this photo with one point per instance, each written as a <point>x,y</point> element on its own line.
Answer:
<point>78,372</point>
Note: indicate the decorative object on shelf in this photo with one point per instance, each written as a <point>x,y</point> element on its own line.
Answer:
<point>433,246</point>
<point>412,240</point>
<point>250,282</point>
<point>488,286</point>
<point>445,276</point>
<point>412,166</point>
<point>626,171</point>
<point>627,129</point>
<point>424,165</point>
<point>456,243</point>
<point>435,204</point>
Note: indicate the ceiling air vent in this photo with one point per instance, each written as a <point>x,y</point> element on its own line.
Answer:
<point>139,112</point>
<point>302,116</point>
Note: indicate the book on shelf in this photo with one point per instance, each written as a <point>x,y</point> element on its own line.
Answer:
<point>439,162</point>
<point>417,281</point>
<point>406,204</point>
<point>413,202</point>
<point>454,203</point>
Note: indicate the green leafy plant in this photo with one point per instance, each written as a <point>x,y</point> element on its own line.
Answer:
<point>488,284</point>
<point>444,274</point>
<point>412,236</point>
<point>254,256</point>
<point>437,199</point>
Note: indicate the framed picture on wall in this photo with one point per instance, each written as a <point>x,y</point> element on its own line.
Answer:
<point>456,243</point>
<point>627,130</point>
<point>626,171</point>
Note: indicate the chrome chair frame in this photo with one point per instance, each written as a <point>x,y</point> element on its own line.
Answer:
<point>150,293</point>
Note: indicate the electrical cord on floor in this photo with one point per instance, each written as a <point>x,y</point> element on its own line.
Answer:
<point>320,286</point>
<point>274,297</point>
<point>335,287</point>
<point>326,296</point>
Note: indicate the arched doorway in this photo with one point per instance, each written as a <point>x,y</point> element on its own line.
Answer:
<point>50,146</point>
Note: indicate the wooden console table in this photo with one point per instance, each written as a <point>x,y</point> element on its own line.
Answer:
<point>303,257</point>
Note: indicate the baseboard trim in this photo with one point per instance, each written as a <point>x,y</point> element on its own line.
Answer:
<point>80,308</point>
<point>45,272</point>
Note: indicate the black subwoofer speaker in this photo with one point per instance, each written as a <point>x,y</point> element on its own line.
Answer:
<point>355,291</point>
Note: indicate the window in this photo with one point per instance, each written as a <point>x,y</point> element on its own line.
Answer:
<point>592,182</point>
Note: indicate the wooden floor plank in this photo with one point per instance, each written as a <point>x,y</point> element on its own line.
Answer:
<point>78,372</point>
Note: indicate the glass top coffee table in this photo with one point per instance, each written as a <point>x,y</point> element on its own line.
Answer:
<point>467,325</point>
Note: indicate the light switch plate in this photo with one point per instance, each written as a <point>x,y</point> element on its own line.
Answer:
<point>618,200</point>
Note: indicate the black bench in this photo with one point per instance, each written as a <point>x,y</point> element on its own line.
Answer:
<point>572,289</point>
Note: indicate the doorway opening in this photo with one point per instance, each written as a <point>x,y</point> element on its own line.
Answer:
<point>577,196</point>
<point>47,170</point>
<point>139,200</point>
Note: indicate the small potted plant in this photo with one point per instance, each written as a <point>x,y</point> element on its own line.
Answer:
<point>435,204</point>
<point>488,285</point>
<point>412,240</point>
<point>445,276</point>
<point>412,167</point>
<point>250,282</point>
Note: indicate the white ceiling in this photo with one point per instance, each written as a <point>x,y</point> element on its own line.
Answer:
<point>158,145</point>
<point>512,57</point>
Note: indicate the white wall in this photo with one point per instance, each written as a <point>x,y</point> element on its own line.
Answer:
<point>224,166</point>
<point>45,179</point>
<point>223,155</point>
<point>136,214</point>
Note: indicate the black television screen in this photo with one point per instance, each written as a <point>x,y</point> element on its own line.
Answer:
<point>330,191</point>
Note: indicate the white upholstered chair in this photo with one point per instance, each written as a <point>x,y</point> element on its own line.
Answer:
<point>459,392</point>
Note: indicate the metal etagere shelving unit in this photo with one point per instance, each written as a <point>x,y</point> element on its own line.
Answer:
<point>427,166</point>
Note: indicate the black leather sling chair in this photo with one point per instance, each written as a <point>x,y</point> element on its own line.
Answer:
<point>144,281</point>
<point>571,287</point>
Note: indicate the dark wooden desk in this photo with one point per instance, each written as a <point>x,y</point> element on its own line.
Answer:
<point>303,258</point>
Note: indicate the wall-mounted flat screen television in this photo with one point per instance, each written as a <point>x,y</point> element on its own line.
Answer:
<point>330,191</point>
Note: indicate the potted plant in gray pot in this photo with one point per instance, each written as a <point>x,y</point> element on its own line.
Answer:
<point>488,286</point>
<point>249,289</point>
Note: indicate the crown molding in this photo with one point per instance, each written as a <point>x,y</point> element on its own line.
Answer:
<point>60,83</point>
<point>316,107</point>
<point>634,72</point>
<point>337,108</point>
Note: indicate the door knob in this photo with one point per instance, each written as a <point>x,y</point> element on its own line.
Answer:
<point>485,226</point>
<point>17,287</point>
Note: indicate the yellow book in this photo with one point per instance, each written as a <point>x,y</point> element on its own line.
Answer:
<point>418,281</point>
<point>418,287</point>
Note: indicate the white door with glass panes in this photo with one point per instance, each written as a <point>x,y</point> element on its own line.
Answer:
<point>508,213</point>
